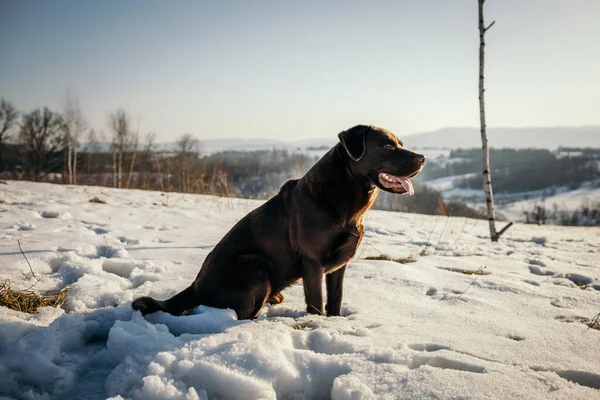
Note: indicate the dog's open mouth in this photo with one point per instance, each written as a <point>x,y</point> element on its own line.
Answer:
<point>398,184</point>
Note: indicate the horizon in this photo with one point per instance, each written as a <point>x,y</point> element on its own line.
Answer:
<point>306,70</point>
<point>333,136</point>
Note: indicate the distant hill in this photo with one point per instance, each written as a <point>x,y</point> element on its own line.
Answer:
<point>451,138</point>
<point>546,138</point>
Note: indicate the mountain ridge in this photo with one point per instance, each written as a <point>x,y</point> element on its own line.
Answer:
<point>511,137</point>
<point>447,137</point>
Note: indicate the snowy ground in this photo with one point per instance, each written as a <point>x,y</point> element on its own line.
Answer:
<point>409,331</point>
<point>564,201</point>
<point>514,205</point>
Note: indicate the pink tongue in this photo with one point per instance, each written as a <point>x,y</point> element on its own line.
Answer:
<point>407,185</point>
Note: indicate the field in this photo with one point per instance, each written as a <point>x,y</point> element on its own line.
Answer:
<point>456,317</point>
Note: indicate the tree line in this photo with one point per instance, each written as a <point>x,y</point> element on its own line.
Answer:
<point>521,170</point>
<point>47,145</point>
<point>60,147</point>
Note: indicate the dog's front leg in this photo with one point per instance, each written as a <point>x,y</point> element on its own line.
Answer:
<point>334,282</point>
<point>312,278</point>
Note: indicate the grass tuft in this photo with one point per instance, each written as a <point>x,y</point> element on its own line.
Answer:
<point>28,301</point>
<point>97,200</point>
<point>479,271</point>
<point>303,326</point>
<point>583,286</point>
<point>595,323</point>
<point>385,257</point>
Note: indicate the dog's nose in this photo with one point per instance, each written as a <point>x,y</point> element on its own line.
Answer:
<point>421,159</point>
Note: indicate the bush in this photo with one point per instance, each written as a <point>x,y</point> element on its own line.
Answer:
<point>585,215</point>
<point>425,201</point>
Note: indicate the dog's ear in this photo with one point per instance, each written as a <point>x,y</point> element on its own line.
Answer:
<point>353,141</point>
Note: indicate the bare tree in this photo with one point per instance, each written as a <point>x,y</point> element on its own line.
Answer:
<point>8,119</point>
<point>132,148</point>
<point>74,127</point>
<point>41,135</point>
<point>187,147</point>
<point>119,124</point>
<point>148,155</point>
<point>92,146</point>
<point>487,176</point>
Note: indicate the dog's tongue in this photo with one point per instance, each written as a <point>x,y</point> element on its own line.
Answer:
<point>407,185</point>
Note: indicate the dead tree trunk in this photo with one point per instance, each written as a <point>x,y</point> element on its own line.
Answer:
<point>74,125</point>
<point>114,165</point>
<point>120,167</point>
<point>75,165</point>
<point>487,173</point>
<point>69,162</point>
<point>160,174</point>
<point>131,166</point>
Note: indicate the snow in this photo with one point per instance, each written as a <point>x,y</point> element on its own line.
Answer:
<point>513,206</point>
<point>563,201</point>
<point>446,185</point>
<point>420,330</point>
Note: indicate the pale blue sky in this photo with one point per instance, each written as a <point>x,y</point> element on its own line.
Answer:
<point>302,69</point>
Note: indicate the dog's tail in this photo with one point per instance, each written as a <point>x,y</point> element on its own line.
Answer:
<point>175,305</point>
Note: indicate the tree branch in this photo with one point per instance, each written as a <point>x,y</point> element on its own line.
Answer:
<point>503,230</point>
<point>28,263</point>
<point>489,26</point>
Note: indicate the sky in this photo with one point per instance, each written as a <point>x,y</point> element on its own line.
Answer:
<point>295,70</point>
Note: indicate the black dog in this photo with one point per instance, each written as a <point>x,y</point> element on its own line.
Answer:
<point>311,228</point>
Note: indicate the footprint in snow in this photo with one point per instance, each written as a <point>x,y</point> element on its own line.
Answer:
<point>25,226</point>
<point>534,261</point>
<point>428,347</point>
<point>582,378</point>
<point>539,240</point>
<point>127,240</point>
<point>109,252</point>
<point>579,280</point>
<point>445,363</point>
<point>564,302</point>
<point>98,229</point>
<point>572,318</point>
<point>536,270</point>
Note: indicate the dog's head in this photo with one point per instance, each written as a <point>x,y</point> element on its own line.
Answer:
<point>379,155</point>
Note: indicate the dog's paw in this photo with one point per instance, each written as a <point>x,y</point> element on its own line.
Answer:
<point>146,305</point>
<point>276,299</point>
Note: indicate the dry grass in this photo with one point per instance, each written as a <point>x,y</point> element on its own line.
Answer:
<point>473,272</point>
<point>385,257</point>
<point>303,326</point>
<point>97,200</point>
<point>584,286</point>
<point>595,323</point>
<point>480,271</point>
<point>29,301</point>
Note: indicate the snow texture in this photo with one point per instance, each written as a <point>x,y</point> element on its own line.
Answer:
<point>421,330</point>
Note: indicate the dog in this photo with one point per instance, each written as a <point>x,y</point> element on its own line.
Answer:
<point>310,229</point>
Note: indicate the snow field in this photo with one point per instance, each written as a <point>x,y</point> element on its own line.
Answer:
<point>418,330</point>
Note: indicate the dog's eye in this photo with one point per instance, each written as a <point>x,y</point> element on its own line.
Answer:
<point>389,146</point>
